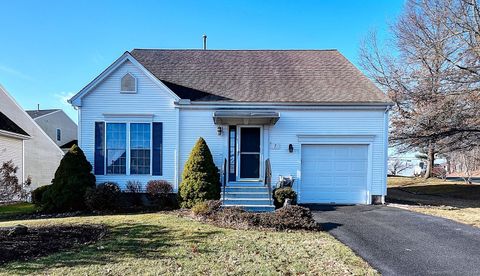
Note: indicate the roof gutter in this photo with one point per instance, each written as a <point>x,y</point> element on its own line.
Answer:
<point>14,135</point>
<point>187,104</point>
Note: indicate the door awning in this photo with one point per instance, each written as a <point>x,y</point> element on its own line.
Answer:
<point>236,117</point>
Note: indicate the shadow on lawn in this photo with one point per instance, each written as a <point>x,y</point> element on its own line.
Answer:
<point>454,195</point>
<point>142,241</point>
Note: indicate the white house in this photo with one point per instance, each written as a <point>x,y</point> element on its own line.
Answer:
<point>57,125</point>
<point>26,144</point>
<point>311,114</point>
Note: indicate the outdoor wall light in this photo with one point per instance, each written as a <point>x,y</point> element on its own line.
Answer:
<point>219,130</point>
<point>290,148</point>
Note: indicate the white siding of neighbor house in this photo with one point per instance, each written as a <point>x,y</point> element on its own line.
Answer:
<point>41,155</point>
<point>12,149</point>
<point>58,120</point>
<point>292,123</point>
<point>150,98</point>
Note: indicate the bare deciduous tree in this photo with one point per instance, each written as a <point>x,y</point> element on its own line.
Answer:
<point>397,166</point>
<point>431,78</point>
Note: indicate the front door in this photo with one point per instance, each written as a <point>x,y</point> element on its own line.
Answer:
<point>250,153</point>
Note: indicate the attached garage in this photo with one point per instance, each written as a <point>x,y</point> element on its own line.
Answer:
<point>334,174</point>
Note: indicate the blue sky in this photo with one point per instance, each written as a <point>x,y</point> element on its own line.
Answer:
<point>49,50</point>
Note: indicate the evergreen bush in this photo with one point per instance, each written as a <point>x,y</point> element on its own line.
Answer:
<point>72,179</point>
<point>201,180</point>
<point>280,194</point>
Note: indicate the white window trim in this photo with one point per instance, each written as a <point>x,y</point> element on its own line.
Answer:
<point>127,91</point>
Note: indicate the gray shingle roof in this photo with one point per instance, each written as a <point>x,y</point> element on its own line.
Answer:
<point>37,113</point>
<point>7,124</point>
<point>308,76</point>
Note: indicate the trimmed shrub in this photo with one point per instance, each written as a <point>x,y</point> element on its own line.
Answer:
<point>206,208</point>
<point>201,180</point>
<point>280,194</point>
<point>104,197</point>
<point>159,188</point>
<point>133,188</point>
<point>72,179</point>
<point>159,192</point>
<point>37,194</point>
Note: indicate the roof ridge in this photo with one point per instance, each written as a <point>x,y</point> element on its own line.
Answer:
<point>238,50</point>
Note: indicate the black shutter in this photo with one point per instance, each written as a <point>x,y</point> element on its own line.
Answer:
<point>99,166</point>
<point>157,144</point>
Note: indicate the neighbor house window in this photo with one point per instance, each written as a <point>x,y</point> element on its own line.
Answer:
<point>116,148</point>
<point>140,145</point>
<point>128,83</point>
<point>59,134</point>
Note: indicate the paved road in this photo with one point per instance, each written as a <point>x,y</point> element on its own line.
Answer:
<point>401,242</point>
<point>474,179</point>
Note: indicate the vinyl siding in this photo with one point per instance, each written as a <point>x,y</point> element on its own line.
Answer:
<point>42,155</point>
<point>341,122</point>
<point>106,98</point>
<point>49,123</point>
<point>12,149</point>
<point>199,123</point>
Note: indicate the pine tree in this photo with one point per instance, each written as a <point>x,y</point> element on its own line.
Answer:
<point>72,179</point>
<point>201,180</point>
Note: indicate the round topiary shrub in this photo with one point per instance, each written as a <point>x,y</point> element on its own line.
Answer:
<point>37,194</point>
<point>159,188</point>
<point>72,179</point>
<point>201,180</point>
<point>280,194</point>
<point>161,196</point>
<point>104,197</point>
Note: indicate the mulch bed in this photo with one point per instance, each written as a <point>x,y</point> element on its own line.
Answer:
<point>20,243</point>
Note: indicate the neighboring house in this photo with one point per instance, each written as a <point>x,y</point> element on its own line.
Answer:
<point>12,139</point>
<point>311,114</point>
<point>57,125</point>
<point>40,155</point>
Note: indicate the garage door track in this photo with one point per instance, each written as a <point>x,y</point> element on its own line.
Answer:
<point>401,242</point>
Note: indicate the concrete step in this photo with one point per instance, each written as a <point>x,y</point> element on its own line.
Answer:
<point>246,184</point>
<point>246,189</point>
<point>247,201</point>
<point>254,208</point>
<point>242,194</point>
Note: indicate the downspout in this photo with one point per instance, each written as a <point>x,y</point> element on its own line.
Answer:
<point>177,151</point>
<point>385,164</point>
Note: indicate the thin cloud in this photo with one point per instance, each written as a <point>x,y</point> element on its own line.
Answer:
<point>14,72</point>
<point>63,97</point>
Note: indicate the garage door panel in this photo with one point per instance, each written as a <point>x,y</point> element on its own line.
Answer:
<point>334,174</point>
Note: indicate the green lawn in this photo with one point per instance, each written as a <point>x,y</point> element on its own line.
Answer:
<point>453,200</point>
<point>16,209</point>
<point>165,244</point>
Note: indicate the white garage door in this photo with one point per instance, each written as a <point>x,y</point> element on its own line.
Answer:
<point>334,174</point>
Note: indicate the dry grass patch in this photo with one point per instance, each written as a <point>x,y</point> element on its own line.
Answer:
<point>449,199</point>
<point>165,244</point>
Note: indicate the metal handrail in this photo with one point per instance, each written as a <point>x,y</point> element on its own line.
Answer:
<point>268,179</point>
<point>224,179</point>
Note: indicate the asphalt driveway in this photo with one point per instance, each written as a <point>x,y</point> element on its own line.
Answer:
<point>401,242</point>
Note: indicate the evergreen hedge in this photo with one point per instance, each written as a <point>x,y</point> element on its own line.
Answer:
<point>201,179</point>
<point>72,179</point>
